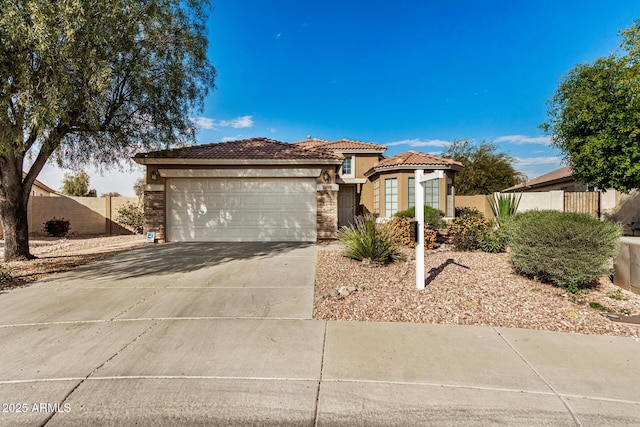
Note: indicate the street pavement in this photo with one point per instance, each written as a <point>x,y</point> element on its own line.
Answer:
<point>221,334</point>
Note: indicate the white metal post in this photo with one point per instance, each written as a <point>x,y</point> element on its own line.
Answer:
<point>419,198</point>
<point>420,179</point>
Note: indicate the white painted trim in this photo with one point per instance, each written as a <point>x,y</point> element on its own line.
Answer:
<point>154,187</point>
<point>341,175</point>
<point>240,173</point>
<point>351,180</point>
<point>327,187</point>
<point>234,162</point>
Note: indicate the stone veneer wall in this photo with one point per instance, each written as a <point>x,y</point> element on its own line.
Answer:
<point>154,213</point>
<point>327,211</point>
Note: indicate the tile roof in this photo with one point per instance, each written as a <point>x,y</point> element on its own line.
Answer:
<point>414,158</point>
<point>340,144</point>
<point>246,149</point>
<point>561,174</point>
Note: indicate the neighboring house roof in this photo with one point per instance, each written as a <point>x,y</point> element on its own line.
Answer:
<point>413,160</point>
<point>40,185</point>
<point>557,176</point>
<point>341,145</point>
<point>247,151</point>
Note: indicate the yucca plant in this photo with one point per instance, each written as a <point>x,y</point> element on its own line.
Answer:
<point>366,239</point>
<point>504,206</point>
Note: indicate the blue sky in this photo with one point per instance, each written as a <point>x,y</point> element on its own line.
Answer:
<point>407,74</point>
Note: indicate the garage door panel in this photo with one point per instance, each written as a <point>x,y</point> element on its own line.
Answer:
<point>217,209</point>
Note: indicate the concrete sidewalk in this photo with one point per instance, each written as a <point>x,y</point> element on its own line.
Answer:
<point>192,335</point>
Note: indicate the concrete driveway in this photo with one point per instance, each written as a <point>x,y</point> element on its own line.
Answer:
<point>220,334</point>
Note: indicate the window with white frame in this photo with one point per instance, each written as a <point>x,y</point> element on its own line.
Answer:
<point>390,197</point>
<point>347,170</point>
<point>432,193</point>
<point>411,184</point>
<point>376,197</point>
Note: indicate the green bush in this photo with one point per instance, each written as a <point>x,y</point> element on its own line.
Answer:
<point>57,227</point>
<point>131,216</point>
<point>473,212</point>
<point>566,249</point>
<point>493,241</point>
<point>432,216</point>
<point>466,232</point>
<point>366,239</point>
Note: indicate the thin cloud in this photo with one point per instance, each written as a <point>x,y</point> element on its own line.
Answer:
<point>230,138</point>
<point>420,143</point>
<point>532,161</point>
<point>523,139</point>
<point>238,123</point>
<point>204,123</point>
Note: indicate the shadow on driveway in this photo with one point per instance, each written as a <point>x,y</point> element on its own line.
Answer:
<point>171,258</point>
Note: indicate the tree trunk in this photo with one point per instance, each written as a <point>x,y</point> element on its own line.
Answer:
<point>13,212</point>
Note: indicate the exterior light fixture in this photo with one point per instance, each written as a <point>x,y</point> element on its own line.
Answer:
<point>154,175</point>
<point>326,176</point>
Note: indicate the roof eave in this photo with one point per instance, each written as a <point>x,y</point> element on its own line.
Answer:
<point>526,186</point>
<point>358,151</point>
<point>222,162</point>
<point>375,170</point>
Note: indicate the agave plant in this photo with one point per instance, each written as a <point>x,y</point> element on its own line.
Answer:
<point>366,239</point>
<point>504,206</point>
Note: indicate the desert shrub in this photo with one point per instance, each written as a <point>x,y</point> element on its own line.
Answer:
<point>472,212</point>
<point>493,241</point>
<point>57,227</point>
<point>131,216</point>
<point>466,231</point>
<point>432,216</point>
<point>367,240</point>
<point>566,249</point>
<point>401,230</point>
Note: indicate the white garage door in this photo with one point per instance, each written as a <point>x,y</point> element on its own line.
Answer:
<point>241,209</point>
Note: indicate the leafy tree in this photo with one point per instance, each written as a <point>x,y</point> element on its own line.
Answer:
<point>77,185</point>
<point>594,117</point>
<point>485,170</point>
<point>93,81</point>
<point>138,186</point>
<point>111,194</point>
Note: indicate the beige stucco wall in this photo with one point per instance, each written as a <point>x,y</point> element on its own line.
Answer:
<point>548,200</point>
<point>39,191</point>
<point>364,162</point>
<point>403,189</point>
<point>88,215</point>
<point>478,202</point>
<point>627,264</point>
<point>620,207</point>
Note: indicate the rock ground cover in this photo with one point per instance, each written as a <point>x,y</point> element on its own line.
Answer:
<point>466,288</point>
<point>57,254</point>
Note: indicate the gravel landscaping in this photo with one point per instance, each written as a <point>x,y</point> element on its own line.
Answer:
<point>464,288</point>
<point>55,255</point>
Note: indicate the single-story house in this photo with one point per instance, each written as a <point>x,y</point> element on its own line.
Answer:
<point>259,189</point>
<point>39,189</point>
<point>559,179</point>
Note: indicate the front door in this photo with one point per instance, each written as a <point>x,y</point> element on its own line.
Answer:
<point>346,204</point>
